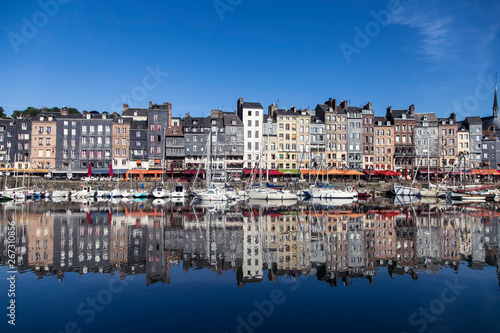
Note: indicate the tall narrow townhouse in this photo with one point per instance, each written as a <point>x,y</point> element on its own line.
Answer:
<point>335,119</point>
<point>318,140</point>
<point>96,142</point>
<point>384,144</point>
<point>233,145</point>
<point>404,122</point>
<point>138,136</point>
<point>463,152</point>
<point>270,131</point>
<point>354,140</point>
<point>367,115</point>
<point>196,135</point>
<point>287,122</point>
<point>448,143</point>
<point>43,142</point>
<point>159,118</point>
<point>475,127</point>
<point>8,148</point>
<point>174,150</point>
<point>252,116</point>
<point>69,132</point>
<point>121,144</point>
<point>426,140</point>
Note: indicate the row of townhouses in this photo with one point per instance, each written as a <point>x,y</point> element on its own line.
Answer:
<point>333,135</point>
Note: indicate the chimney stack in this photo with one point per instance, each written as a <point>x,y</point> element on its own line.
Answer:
<point>344,105</point>
<point>150,105</point>
<point>271,109</point>
<point>64,111</point>
<point>332,103</point>
<point>124,107</point>
<point>412,110</point>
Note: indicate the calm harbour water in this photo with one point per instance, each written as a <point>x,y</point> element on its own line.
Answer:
<point>250,267</point>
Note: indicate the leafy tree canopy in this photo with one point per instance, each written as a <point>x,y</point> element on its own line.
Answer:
<point>31,111</point>
<point>2,113</point>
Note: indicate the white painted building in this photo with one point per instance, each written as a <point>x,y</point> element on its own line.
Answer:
<point>252,116</point>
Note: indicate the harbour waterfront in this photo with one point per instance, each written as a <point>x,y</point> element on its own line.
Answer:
<point>132,265</point>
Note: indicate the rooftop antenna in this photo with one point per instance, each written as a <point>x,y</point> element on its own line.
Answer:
<point>153,99</point>
<point>278,102</point>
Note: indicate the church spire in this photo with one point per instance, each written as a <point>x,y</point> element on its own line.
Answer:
<point>495,100</point>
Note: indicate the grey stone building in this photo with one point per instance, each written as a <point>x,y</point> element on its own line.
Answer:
<point>318,134</point>
<point>367,115</point>
<point>68,142</point>
<point>354,140</point>
<point>139,143</point>
<point>174,150</point>
<point>8,150</point>
<point>159,118</point>
<point>233,144</point>
<point>95,142</point>
<point>196,135</point>
<point>475,126</point>
<point>426,139</point>
<point>489,150</point>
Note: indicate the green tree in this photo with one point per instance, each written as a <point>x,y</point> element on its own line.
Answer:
<point>2,113</point>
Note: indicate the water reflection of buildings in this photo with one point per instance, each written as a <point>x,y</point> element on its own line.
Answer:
<point>335,245</point>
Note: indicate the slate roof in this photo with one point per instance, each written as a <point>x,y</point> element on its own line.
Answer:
<point>229,117</point>
<point>170,131</point>
<point>396,114</point>
<point>431,117</point>
<point>474,120</point>
<point>130,112</point>
<point>251,105</point>
<point>139,125</point>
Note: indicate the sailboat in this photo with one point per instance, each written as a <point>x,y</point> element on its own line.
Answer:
<point>212,192</point>
<point>270,192</point>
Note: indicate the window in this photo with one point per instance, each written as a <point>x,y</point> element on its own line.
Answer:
<point>158,127</point>
<point>155,116</point>
<point>256,146</point>
<point>91,154</point>
<point>92,129</point>
<point>99,154</point>
<point>249,134</point>
<point>124,141</point>
<point>40,129</point>
<point>48,141</point>
<point>84,154</point>
<point>40,141</point>
<point>124,152</point>
<point>117,151</point>
<point>117,130</point>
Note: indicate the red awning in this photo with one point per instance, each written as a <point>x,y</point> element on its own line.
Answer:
<point>193,172</point>
<point>257,172</point>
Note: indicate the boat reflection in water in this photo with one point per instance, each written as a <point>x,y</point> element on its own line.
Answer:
<point>336,244</point>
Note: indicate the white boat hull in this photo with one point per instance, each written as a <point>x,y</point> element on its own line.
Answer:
<point>400,190</point>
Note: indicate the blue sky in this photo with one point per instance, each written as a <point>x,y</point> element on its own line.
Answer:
<point>200,55</point>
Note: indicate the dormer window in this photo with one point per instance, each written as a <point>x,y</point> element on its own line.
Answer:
<point>403,116</point>
<point>120,121</point>
<point>51,118</point>
<point>41,118</point>
<point>136,113</point>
